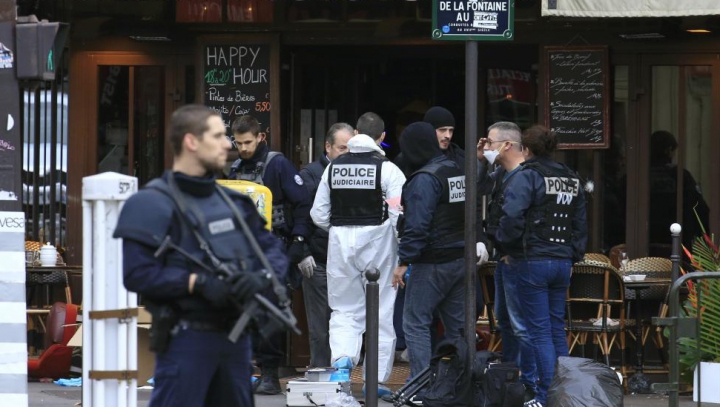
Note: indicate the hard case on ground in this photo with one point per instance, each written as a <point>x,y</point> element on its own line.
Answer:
<point>300,392</point>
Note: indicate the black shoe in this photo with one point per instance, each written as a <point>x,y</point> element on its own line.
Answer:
<point>389,398</point>
<point>267,385</point>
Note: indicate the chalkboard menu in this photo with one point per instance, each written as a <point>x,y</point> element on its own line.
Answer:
<point>577,96</point>
<point>236,82</point>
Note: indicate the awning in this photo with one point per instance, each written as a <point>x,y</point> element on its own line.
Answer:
<point>630,8</point>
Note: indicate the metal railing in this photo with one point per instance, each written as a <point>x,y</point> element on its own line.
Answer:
<point>682,326</point>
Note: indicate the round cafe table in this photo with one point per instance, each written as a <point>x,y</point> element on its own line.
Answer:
<point>638,382</point>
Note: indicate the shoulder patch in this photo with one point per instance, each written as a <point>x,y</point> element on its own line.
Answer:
<point>298,180</point>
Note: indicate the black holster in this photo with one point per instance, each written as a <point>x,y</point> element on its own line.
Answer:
<point>164,320</point>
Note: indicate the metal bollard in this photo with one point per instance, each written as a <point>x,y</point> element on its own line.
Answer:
<point>675,230</point>
<point>372,325</point>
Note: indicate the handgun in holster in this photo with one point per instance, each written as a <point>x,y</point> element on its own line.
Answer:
<point>163,321</point>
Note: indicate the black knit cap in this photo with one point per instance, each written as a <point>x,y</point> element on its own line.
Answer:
<point>439,117</point>
<point>419,145</point>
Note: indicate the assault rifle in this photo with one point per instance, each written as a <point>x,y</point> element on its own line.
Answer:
<point>256,309</point>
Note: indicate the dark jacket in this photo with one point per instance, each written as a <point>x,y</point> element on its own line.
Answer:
<point>287,188</point>
<point>318,240</point>
<point>524,191</point>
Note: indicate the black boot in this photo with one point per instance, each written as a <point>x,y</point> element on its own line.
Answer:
<point>268,384</point>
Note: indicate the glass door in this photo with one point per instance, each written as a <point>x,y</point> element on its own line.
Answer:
<point>131,120</point>
<point>677,173</point>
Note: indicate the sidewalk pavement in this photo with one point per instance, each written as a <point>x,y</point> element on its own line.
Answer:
<point>51,395</point>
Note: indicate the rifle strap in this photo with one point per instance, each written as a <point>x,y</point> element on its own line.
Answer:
<point>277,287</point>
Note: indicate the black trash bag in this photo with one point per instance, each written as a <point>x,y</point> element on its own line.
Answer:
<point>580,382</point>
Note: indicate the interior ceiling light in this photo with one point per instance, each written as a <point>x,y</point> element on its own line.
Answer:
<point>698,31</point>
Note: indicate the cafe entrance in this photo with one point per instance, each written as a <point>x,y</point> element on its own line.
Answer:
<point>122,106</point>
<point>660,168</point>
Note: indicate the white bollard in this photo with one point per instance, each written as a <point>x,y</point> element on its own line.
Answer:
<point>13,322</point>
<point>109,310</point>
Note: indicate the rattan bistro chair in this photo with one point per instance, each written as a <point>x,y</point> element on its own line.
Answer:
<point>596,257</point>
<point>652,267</point>
<point>486,274</point>
<point>596,293</point>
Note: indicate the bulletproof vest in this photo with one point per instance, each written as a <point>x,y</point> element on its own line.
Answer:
<point>256,175</point>
<point>356,196</point>
<point>497,199</point>
<point>215,221</point>
<point>552,219</point>
<point>448,221</point>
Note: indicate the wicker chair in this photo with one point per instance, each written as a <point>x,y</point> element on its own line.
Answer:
<point>652,267</point>
<point>486,275</point>
<point>596,257</point>
<point>596,293</point>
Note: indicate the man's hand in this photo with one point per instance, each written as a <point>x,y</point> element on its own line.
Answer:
<point>482,253</point>
<point>480,146</point>
<point>243,286</point>
<point>307,266</point>
<point>213,289</point>
<point>398,275</point>
<point>296,252</point>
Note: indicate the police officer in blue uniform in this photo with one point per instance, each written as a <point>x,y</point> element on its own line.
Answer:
<point>314,266</point>
<point>290,222</point>
<point>543,230</point>
<point>432,239</point>
<point>197,365</point>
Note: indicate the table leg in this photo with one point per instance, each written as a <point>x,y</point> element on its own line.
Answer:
<point>638,382</point>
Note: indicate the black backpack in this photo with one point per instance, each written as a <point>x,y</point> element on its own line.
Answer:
<point>449,386</point>
<point>496,383</point>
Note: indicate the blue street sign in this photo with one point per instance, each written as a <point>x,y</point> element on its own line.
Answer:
<point>478,20</point>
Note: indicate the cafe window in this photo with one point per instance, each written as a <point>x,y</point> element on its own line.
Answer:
<point>237,11</point>
<point>680,153</point>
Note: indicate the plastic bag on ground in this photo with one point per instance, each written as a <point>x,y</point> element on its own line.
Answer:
<point>344,400</point>
<point>580,382</point>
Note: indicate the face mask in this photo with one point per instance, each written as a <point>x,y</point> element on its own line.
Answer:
<point>491,155</point>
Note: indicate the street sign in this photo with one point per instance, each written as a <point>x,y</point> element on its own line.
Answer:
<point>480,20</point>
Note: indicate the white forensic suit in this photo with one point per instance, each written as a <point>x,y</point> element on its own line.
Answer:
<point>353,249</point>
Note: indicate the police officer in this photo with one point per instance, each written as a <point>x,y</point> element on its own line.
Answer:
<point>357,201</point>
<point>290,222</point>
<point>502,148</point>
<point>199,366</point>
<point>432,239</point>
<point>543,230</point>
<point>314,266</point>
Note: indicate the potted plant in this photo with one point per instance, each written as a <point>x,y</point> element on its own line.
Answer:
<point>703,353</point>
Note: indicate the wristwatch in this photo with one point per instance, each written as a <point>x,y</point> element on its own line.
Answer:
<point>402,263</point>
<point>298,238</point>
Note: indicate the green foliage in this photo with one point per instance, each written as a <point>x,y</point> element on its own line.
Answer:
<point>703,302</point>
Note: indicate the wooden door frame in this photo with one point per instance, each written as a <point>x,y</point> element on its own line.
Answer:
<point>638,168</point>
<point>83,121</point>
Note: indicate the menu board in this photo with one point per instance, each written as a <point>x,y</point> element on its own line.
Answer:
<point>236,82</point>
<point>577,96</point>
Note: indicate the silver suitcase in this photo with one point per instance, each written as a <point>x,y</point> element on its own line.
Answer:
<point>300,392</point>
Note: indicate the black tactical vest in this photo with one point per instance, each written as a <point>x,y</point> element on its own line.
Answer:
<point>356,195</point>
<point>552,219</point>
<point>449,219</point>
<point>215,221</point>
<point>497,199</point>
<point>256,175</point>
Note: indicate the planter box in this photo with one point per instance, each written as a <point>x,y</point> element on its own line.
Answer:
<point>710,390</point>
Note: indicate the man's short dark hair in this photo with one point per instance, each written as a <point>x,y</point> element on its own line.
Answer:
<point>509,130</point>
<point>334,129</point>
<point>371,124</point>
<point>191,119</point>
<point>244,124</point>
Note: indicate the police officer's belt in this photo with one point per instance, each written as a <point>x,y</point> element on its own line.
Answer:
<point>215,326</point>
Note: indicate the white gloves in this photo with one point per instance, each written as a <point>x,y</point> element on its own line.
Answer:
<point>481,252</point>
<point>307,266</point>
